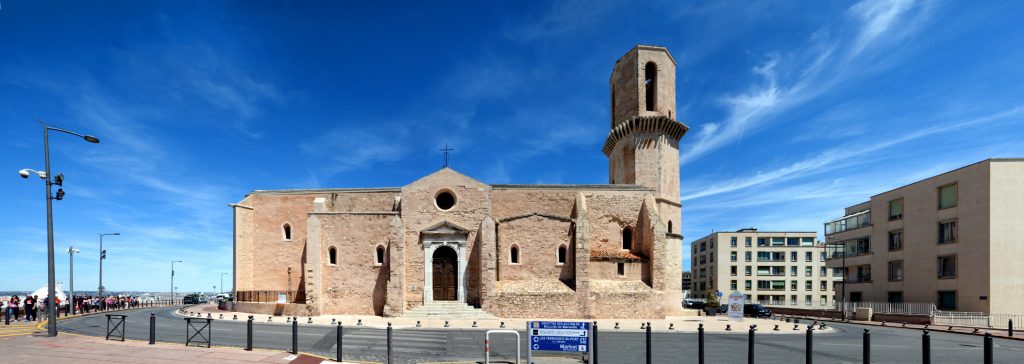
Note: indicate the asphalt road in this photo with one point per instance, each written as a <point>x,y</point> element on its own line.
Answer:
<point>888,345</point>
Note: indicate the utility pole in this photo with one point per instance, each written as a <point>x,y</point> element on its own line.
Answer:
<point>103,256</point>
<point>71,256</point>
<point>173,296</point>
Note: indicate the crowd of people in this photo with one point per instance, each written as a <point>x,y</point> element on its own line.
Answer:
<point>15,307</point>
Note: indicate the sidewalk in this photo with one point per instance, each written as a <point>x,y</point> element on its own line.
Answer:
<point>976,331</point>
<point>717,324</point>
<point>71,348</point>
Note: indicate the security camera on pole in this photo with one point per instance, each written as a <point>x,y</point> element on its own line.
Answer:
<point>51,309</point>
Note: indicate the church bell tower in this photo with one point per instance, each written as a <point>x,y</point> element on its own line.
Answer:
<point>643,145</point>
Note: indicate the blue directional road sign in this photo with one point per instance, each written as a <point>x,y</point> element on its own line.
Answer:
<point>559,336</point>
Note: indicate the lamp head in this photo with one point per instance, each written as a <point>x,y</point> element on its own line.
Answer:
<point>24,173</point>
<point>91,139</point>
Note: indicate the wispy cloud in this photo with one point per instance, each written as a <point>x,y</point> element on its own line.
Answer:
<point>847,154</point>
<point>803,74</point>
<point>348,148</point>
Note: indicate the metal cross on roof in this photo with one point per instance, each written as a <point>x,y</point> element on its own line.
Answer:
<point>446,150</point>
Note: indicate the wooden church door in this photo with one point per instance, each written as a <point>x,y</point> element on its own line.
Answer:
<point>445,274</point>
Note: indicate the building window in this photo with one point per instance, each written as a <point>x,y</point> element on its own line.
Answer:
<point>792,256</point>
<point>732,242</point>
<point>824,272</point>
<point>824,300</point>
<point>513,254</point>
<point>808,272</point>
<point>445,200</point>
<point>711,257</point>
<point>778,241</point>
<point>670,226</point>
<point>732,270</point>
<point>896,240</point>
<point>863,274</point>
<point>622,271</point>
<point>947,232</point>
<point>895,271</point>
<point>792,300</point>
<point>947,300</point>
<point>746,270</point>
<point>651,84</point>
<point>807,300</point>
<point>792,285</point>
<point>332,255</point>
<point>808,285</point>
<point>746,256</point>
<point>762,241</point>
<point>380,255</point>
<point>747,285</point>
<point>627,239</point>
<point>732,284</point>
<point>562,250</point>
<point>947,266</point>
<point>808,256</point>
<point>823,286</point>
<point>823,256</point>
<point>746,242</point>
<point>732,256</point>
<point>896,209</point>
<point>947,196</point>
<point>792,271</point>
<point>895,297</point>
<point>286,231</point>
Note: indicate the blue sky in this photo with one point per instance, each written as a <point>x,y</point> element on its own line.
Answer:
<point>796,109</point>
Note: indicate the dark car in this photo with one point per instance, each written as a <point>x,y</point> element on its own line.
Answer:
<point>756,310</point>
<point>189,300</point>
<point>688,303</point>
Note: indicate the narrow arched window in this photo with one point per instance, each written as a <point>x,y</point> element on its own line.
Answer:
<point>380,254</point>
<point>670,226</point>
<point>286,231</point>
<point>332,255</point>
<point>561,254</point>
<point>513,255</point>
<point>651,84</point>
<point>627,238</point>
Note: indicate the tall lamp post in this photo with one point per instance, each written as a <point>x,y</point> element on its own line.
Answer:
<point>71,255</point>
<point>51,308</point>
<point>172,280</point>
<point>103,256</point>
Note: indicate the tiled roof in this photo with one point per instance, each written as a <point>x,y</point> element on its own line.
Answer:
<point>613,254</point>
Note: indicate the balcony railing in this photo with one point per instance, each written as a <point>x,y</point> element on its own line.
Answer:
<point>849,222</point>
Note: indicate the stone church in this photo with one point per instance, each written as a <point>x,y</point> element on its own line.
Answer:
<point>519,251</point>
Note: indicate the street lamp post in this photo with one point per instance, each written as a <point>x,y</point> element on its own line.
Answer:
<point>51,307</point>
<point>71,256</point>
<point>103,256</point>
<point>222,283</point>
<point>172,280</point>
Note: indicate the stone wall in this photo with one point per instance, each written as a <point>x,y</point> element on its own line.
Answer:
<point>535,299</point>
<point>276,309</point>
<point>355,284</point>
<point>625,300</point>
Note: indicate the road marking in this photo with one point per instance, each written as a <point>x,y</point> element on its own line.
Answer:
<point>872,345</point>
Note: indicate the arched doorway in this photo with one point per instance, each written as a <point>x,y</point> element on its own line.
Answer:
<point>445,274</point>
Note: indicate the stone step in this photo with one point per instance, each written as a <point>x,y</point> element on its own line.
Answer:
<point>447,310</point>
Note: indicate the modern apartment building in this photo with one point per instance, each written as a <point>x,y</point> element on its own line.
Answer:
<point>955,240</point>
<point>772,268</point>
<point>687,281</point>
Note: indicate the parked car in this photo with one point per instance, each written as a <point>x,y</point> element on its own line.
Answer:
<point>756,310</point>
<point>688,303</point>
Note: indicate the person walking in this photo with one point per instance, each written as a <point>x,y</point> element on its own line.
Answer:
<point>30,308</point>
<point>13,307</point>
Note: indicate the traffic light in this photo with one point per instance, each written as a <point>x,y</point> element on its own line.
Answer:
<point>59,179</point>
<point>60,194</point>
<point>103,254</point>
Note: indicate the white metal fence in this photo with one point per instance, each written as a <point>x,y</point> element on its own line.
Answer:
<point>976,319</point>
<point>906,308</point>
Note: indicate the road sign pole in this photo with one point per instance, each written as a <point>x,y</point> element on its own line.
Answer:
<point>529,344</point>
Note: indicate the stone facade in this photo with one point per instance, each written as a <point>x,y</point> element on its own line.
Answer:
<point>592,251</point>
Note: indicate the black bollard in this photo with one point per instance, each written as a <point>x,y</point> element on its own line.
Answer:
<point>700,344</point>
<point>295,336</point>
<point>988,348</point>
<point>867,346</point>
<point>648,343</point>
<point>807,356</point>
<point>389,343</point>
<point>1010,330</point>
<point>926,348</point>
<point>248,334</point>
<point>152,328</point>
<point>593,344</point>
<point>340,330</point>
<point>750,345</point>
